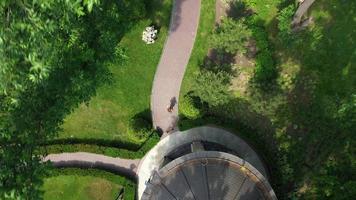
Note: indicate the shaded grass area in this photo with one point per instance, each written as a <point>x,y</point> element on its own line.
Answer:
<point>321,146</point>
<point>297,125</point>
<point>113,113</point>
<point>89,184</point>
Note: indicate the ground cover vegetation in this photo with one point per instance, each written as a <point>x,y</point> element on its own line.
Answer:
<point>55,54</point>
<point>291,93</point>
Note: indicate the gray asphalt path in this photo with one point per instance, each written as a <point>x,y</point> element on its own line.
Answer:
<point>175,57</point>
<point>302,9</point>
<point>120,166</point>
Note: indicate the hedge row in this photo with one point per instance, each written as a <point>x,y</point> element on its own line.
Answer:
<point>93,141</point>
<point>129,186</point>
<point>132,153</point>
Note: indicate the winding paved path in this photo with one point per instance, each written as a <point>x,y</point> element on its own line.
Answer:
<point>123,167</point>
<point>302,9</point>
<point>171,68</point>
<point>166,86</point>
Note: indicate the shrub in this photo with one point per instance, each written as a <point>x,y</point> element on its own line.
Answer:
<point>231,36</point>
<point>265,67</point>
<point>211,87</point>
<point>121,54</point>
<point>285,18</point>
<point>188,109</point>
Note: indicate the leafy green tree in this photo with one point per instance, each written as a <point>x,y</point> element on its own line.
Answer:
<point>54,54</point>
<point>231,36</point>
<point>212,88</point>
<point>347,113</point>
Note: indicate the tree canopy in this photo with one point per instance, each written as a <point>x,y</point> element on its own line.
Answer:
<point>54,55</point>
<point>211,87</point>
<point>231,36</point>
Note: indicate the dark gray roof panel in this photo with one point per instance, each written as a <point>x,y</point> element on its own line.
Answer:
<point>163,193</point>
<point>196,176</point>
<point>249,191</point>
<point>178,186</point>
<point>208,176</point>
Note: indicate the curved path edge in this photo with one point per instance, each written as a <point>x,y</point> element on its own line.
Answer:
<point>302,9</point>
<point>174,59</point>
<point>124,167</point>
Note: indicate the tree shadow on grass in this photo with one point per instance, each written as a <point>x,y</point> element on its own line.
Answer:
<point>238,10</point>
<point>142,121</point>
<point>315,133</point>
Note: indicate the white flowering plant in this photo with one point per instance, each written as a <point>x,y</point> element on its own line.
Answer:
<point>149,35</point>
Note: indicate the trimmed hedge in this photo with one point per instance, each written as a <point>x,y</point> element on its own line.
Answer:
<point>92,141</point>
<point>129,186</point>
<point>138,152</point>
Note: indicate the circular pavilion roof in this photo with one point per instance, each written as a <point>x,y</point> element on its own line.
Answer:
<point>208,175</point>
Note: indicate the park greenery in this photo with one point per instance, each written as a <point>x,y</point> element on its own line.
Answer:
<point>56,56</point>
<point>211,88</point>
<point>297,106</point>
<point>75,76</point>
<point>91,184</point>
<point>230,36</point>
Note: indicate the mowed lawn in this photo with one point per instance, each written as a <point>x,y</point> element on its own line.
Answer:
<point>79,188</point>
<point>108,115</point>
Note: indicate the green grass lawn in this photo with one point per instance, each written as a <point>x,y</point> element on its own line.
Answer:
<point>86,184</point>
<point>79,187</point>
<point>109,114</point>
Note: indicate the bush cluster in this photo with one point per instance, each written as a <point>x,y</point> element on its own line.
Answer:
<point>212,87</point>
<point>265,66</point>
<point>188,109</point>
<point>231,36</point>
<point>285,17</point>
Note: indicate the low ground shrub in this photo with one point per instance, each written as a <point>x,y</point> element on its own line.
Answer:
<point>265,71</point>
<point>285,17</point>
<point>211,88</point>
<point>231,36</point>
<point>188,109</point>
